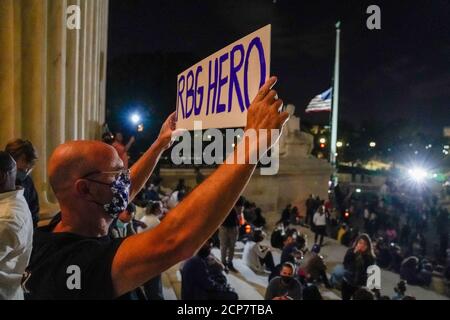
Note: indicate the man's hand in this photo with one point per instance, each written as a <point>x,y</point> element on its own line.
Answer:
<point>167,129</point>
<point>264,113</point>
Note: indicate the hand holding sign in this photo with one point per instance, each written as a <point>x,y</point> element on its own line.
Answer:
<point>264,113</point>
<point>168,132</point>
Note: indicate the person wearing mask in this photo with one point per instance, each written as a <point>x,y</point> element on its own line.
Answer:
<point>198,281</point>
<point>124,224</point>
<point>257,256</point>
<point>284,287</point>
<point>26,156</point>
<point>92,188</point>
<point>320,225</point>
<point>228,235</point>
<point>356,261</point>
<point>121,148</point>
<point>16,231</point>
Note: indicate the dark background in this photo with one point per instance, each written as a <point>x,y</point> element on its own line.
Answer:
<point>399,73</point>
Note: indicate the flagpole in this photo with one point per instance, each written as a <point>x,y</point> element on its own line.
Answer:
<point>334,109</point>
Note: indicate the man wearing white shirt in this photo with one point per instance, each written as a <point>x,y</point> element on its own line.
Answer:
<point>320,224</point>
<point>16,231</point>
<point>257,256</point>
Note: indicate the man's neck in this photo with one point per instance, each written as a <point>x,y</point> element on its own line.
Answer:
<point>91,230</point>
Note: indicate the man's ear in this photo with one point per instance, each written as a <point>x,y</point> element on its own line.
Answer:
<point>82,187</point>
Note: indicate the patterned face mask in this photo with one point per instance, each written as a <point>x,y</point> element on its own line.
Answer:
<point>120,189</point>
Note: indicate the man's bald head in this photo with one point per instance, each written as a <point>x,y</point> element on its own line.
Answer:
<point>73,160</point>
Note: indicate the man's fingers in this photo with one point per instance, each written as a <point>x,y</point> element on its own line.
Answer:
<point>271,96</point>
<point>277,104</point>
<point>264,90</point>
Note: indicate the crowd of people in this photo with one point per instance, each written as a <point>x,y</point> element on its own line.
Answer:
<point>111,215</point>
<point>91,248</point>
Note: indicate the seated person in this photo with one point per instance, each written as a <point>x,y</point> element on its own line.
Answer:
<point>257,256</point>
<point>409,271</point>
<point>292,252</point>
<point>284,287</point>
<point>290,247</point>
<point>200,282</point>
<point>314,267</point>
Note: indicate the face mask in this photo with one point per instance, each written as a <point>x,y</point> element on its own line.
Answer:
<point>286,279</point>
<point>120,224</point>
<point>120,189</point>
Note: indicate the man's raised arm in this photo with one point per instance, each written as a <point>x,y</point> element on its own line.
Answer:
<point>143,168</point>
<point>197,217</point>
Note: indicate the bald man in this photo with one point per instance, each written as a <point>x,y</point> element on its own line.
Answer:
<point>75,259</point>
<point>16,231</point>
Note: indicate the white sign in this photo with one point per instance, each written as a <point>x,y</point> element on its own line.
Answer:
<point>219,89</point>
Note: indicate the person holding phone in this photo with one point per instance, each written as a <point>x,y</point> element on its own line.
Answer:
<point>256,255</point>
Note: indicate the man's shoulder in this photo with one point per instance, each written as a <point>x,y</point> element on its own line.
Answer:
<point>14,208</point>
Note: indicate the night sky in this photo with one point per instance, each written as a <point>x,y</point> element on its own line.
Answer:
<point>400,71</point>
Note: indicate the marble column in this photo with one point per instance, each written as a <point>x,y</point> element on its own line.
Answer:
<point>52,79</point>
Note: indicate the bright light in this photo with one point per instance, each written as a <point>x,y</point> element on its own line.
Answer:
<point>417,174</point>
<point>140,127</point>
<point>446,147</point>
<point>135,118</point>
<point>339,144</point>
<point>372,144</point>
<point>358,190</point>
<point>322,140</point>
